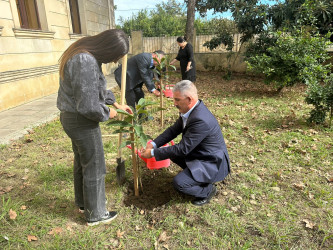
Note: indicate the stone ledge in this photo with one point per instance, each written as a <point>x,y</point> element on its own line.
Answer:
<point>28,33</point>
<point>16,75</point>
<point>76,36</point>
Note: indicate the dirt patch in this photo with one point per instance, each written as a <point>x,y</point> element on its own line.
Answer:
<point>157,188</point>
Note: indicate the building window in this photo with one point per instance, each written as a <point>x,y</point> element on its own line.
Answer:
<point>74,9</point>
<point>28,14</point>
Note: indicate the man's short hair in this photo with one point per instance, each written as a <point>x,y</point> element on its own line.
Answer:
<point>186,88</point>
<point>160,52</point>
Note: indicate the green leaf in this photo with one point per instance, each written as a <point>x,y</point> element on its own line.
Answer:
<point>144,139</point>
<point>138,129</point>
<point>172,66</point>
<point>121,131</point>
<point>141,101</point>
<point>124,112</point>
<point>143,111</point>
<point>129,119</point>
<point>119,123</point>
<point>125,143</point>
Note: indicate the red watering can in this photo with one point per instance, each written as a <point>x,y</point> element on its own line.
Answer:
<point>168,91</point>
<point>152,163</point>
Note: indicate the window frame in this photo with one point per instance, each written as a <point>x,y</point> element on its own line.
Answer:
<point>74,10</point>
<point>23,15</point>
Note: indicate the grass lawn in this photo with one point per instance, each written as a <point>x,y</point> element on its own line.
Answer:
<point>278,196</point>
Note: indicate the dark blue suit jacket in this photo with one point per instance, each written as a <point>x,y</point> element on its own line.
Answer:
<point>138,71</point>
<point>202,145</point>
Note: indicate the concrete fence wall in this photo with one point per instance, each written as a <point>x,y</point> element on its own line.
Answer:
<point>205,59</point>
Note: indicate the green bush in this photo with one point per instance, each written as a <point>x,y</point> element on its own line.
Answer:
<point>321,97</point>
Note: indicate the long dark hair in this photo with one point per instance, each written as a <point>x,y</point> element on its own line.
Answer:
<point>181,39</point>
<point>106,47</point>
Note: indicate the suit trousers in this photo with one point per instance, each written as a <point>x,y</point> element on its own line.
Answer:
<point>89,163</point>
<point>133,96</point>
<point>185,183</point>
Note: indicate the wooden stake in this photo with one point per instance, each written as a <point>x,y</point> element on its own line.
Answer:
<point>162,103</point>
<point>122,95</point>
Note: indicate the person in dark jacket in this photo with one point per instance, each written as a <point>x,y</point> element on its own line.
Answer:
<point>82,100</point>
<point>139,70</point>
<point>186,58</point>
<point>201,153</point>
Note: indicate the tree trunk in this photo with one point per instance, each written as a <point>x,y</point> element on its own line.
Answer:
<point>190,20</point>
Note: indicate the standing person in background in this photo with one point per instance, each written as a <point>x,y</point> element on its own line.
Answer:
<point>82,99</point>
<point>139,70</point>
<point>186,58</point>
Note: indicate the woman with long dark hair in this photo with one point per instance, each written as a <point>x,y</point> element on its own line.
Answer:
<point>186,58</point>
<point>82,100</point>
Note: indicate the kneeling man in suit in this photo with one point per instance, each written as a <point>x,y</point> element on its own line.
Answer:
<point>201,153</point>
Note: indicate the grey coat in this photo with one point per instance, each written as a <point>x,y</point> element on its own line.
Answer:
<point>138,71</point>
<point>83,89</point>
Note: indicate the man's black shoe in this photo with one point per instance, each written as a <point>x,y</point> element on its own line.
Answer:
<point>203,201</point>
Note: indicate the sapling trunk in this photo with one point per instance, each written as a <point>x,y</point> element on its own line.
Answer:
<point>135,166</point>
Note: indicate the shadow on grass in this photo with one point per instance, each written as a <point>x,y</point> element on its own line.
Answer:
<point>157,189</point>
<point>274,122</point>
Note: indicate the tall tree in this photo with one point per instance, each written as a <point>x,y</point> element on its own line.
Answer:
<point>189,30</point>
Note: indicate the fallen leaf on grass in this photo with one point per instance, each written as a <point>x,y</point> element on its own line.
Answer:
<point>23,207</point>
<point>299,186</point>
<point>253,202</point>
<point>12,214</point>
<point>8,189</point>
<point>329,179</point>
<point>10,175</point>
<point>234,209</point>
<point>32,238</point>
<point>252,159</point>
<point>309,224</point>
<point>114,242</point>
<point>120,234</point>
<point>56,230</point>
<point>166,246</point>
<point>163,237</point>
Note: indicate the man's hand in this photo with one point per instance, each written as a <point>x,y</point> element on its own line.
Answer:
<point>146,153</point>
<point>149,146</point>
<point>156,92</point>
